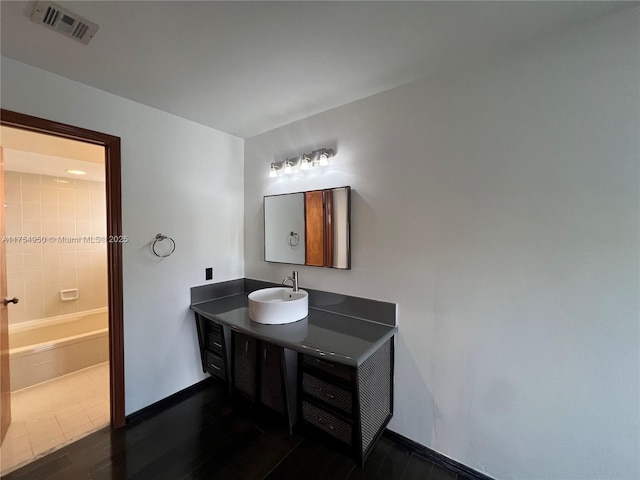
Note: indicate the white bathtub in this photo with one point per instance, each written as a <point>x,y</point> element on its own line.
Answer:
<point>41,350</point>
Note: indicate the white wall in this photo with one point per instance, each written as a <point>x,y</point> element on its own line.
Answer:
<point>498,207</point>
<point>179,178</point>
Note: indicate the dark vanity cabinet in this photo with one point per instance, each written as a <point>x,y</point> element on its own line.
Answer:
<point>212,348</point>
<point>260,371</point>
<point>330,374</point>
<point>272,391</point>
<point>245,365</point>
<point>350,405</point>
<point>265,374</point>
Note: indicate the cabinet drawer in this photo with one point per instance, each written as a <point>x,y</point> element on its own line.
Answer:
<point>331,424</point>
<point>214,338</point>
<point>336,369</point>
<point>327,392</point>
<point>215,364</point>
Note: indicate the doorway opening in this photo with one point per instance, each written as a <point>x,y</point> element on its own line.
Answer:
<point>62,355</point>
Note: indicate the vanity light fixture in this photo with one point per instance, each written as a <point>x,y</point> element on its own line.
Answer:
<point>324,159</point>
<point>303,163</point>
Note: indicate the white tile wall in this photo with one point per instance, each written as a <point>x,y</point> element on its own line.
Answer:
<point>40,205</point>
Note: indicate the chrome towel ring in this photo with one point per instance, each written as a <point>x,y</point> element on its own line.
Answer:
<point>160,238</point>
<point>294,239</point>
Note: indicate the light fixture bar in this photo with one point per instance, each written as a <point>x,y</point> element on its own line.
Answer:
<point>303,163</point>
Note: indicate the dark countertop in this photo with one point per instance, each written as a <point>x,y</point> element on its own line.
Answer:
<point>323,334</point>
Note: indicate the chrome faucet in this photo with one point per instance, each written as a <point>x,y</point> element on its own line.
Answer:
<point>293,279</point>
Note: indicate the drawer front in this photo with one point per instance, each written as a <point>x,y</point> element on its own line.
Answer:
<point>215,364</point>
<point>331,394</point>
<point>331,424</point>
<point>336,369</point>
<point>214,338</point>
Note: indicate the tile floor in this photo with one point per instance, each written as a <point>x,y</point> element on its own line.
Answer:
<point>52,414</point>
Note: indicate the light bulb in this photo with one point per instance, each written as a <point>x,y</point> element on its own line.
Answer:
<point>304,163</point>
<point>324,160</point>
<point>273,173</point>
<point>287,168</point>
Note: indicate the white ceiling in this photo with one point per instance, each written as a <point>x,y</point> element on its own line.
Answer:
<point>32,152</point>
<point>51,165</point>
<point>43,144</point>
<point>248,67</point>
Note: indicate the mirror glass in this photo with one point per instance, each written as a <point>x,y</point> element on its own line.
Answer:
<point>309,228</point>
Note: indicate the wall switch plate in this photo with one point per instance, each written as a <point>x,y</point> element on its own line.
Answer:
<point>208,273</point>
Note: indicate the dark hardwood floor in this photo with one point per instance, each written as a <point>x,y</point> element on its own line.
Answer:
<point>210,436</point>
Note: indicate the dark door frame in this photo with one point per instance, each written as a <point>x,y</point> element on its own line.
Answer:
<point>111,145</point>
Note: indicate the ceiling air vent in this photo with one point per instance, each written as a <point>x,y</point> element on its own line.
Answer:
<point>63,21</point>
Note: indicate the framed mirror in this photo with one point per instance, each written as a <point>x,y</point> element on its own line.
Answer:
<point>309,228</point>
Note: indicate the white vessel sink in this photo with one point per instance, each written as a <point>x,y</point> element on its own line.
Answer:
<point>278,305</point>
